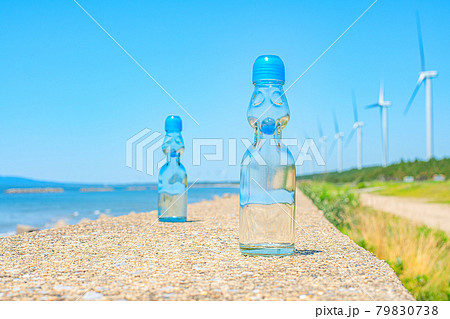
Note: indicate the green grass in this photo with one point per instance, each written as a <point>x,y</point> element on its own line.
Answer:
<point>420,170</point>
<point>436,192</point>
<point>419,255</point>
<point>337,203</point>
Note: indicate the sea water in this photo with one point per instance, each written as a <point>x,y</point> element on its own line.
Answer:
<point>43,210</point>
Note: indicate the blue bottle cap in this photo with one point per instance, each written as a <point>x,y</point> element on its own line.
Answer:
<point>173,124</point>
<point>268,67</point>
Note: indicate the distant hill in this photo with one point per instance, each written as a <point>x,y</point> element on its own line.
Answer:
<point>21,182</point>
<point>7,182</point>
<point>13,182</point>
<point>420,170</point>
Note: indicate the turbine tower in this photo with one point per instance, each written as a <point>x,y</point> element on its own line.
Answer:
<point>383,105</point>
<point>357,125</point>
<point>301,170</point>
<point>311,165</point>
<point>323,150</point>
<point>338,139</point>
<point>424,77</point>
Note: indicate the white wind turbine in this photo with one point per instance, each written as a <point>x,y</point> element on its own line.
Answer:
<point>383,105</point>
<point>424,76</point>
<point>323,150</point>
<point>338,136</point>
<point>311,164</point>
<point>357,125</point>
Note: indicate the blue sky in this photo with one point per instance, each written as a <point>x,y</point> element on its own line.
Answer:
<point>70,97</point>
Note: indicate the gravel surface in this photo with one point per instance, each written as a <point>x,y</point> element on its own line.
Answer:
<point>418,210</point>
<point>134,257</point>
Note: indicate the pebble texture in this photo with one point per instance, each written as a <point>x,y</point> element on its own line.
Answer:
<point>135,257</point>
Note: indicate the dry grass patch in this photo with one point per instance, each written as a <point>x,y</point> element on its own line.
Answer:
<point>418,254</point>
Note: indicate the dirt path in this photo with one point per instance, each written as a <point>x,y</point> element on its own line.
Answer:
<point>433,215</point>
<point>134,257</point>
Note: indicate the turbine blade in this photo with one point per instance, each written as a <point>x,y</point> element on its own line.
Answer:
<point>372,106</point>
<point>419,34</point>
<point>336,125</point>
<point>320,128</point>
<point>350,137</point>
<point>306,134</point>
<point>381,95</point>
<point>416,89</point>
<point>332,146</point>
<point>355,110</point>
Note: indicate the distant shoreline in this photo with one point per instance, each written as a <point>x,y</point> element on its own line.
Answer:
<point>40,190</point>
<point>34,190</point>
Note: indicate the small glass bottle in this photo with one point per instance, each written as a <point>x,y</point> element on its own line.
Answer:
<point>172,180</point>
<point>267,190</point>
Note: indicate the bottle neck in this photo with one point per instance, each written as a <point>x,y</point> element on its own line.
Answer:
<point>274,139</point>
<point>173,147</point>
<point>173,158</point>
<point>260,83</point>
<point>268,110</point>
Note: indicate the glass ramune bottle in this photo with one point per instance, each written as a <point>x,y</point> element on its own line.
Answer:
<point>267,190</point>
<point>172,181</point>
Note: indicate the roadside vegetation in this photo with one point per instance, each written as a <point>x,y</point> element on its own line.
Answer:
<point>419,170</point>
<point>419,255</point>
